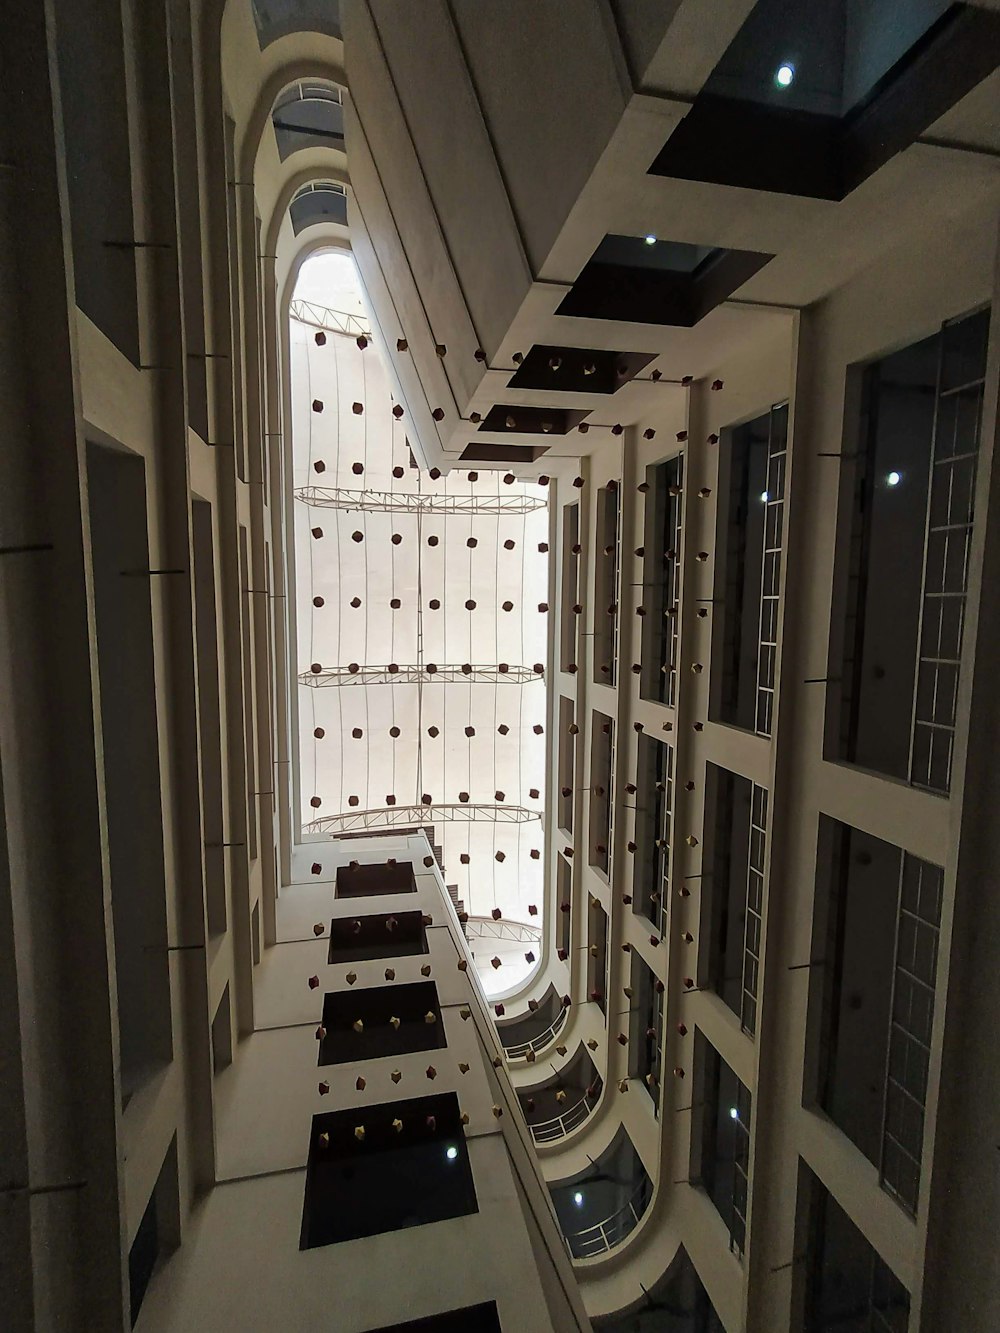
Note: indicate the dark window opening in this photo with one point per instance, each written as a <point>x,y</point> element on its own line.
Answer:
<point>678,1303</point>
<point>158,1234</point>
<point>209,713</point>
<point>570,627</point>
<point>363,881</point>
<point>813,101</point>
<point>386,1167</point>
<point>748,579</point>
<point>578,369</point>
<point>645,1029</point>
<point>395,1020</point>
<point>98,171</point>
<point>653,819</point>
<point>848,1288</point>
<point>564,912</point>
<point>657,281</point>
<point>383,935</point>
<point>597,956</point>
<point>471,1319</point>
<point>566,775</point>
<point>518,419</point>
<point>222,1034</point>
<point>116,486</point>
<point>736,844</point>
<point>607,560</point>
<point>878,913</point>
<point>602,767</point>
<point>502,453</point>
<point>661,588</point>
<point>249,693</point>
<point>722,1148</point>
<point>907,519</point>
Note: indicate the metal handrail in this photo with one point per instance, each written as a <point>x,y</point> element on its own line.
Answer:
<point>605,1235</point>
<point>537,1043</point>
<point>547,1131</point>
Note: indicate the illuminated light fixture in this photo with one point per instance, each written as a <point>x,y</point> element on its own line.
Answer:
<point>784,75</point>
<point>650,239</point>
<point>765,496</point>
<point>733,1113</point>
<point>894,478</point>
<point>578,1199</point>
<point>451,1152</point>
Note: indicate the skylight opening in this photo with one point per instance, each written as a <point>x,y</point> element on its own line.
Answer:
<point>421,600</point>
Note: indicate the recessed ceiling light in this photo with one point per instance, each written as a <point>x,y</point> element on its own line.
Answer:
<point>764,496</point>
<point>894,478</point>
<point>650,239</point>
<point>451,1152</point>
<point>784,75</point>
<point>578,1199</point>
<point>733,1113</point>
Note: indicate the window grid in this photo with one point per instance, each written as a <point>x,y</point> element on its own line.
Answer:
<point>947,543</point>
<point>606,589</point>
<point>755,908</point>
<point>566,753</point>
<point>675,516</point>
<point>661,593</point>
<point>741,1170</point>
<point>597,960</point>
<point>878,1303</point>
<point>910,1026</point>
<point>602,773</point>
<point>570,583</point>
<point>649,1043</point>
<point>770,587</point>
<point>889,1301</point>
<point>654,817</point>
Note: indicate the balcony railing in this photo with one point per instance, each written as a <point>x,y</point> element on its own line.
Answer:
<point>613,1230</point>
<point>520,1049</point>
<point>548,1131</point>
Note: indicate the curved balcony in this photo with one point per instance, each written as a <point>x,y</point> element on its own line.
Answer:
<point>533,1031</point>
<point>602,1206</point>
<point>677,1303</point>
<point>563,1101</point>
<point>518,1050</point>
<point>611,1231</point>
